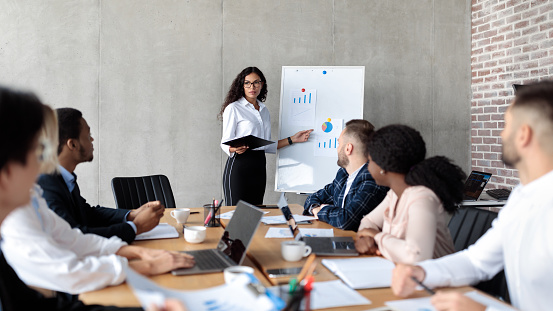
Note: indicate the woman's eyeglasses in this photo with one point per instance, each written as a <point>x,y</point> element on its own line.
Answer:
<point>256,84</point>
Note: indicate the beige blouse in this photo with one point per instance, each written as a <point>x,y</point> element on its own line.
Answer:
<point>413,229</point>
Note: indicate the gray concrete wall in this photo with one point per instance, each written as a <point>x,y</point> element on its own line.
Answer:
<point>150,76</point>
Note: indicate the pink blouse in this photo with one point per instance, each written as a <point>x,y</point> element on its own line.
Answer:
<point>413,229</point>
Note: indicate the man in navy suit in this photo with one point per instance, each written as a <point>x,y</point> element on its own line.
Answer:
<point>353,193</point>
<point>62,193</point>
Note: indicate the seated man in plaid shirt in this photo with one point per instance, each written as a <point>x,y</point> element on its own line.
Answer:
<point>353,193</point>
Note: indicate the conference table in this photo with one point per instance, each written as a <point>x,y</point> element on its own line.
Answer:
<point>263,253</point>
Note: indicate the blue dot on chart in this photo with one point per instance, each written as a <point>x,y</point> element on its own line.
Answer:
<point>324,72</point>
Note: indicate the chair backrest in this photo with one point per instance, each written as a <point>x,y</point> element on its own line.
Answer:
<point>133,192</point>
<point>466,226</point>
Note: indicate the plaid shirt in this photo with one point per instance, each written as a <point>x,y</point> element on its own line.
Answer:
<point>364,195</point>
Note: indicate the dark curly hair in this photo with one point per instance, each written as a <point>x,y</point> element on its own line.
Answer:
<point>236,90</point>
<point>401,149</point>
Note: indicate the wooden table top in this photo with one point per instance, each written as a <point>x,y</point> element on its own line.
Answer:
<point>263,254</point>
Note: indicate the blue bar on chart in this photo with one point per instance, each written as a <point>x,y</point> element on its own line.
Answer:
<point>303,99</point>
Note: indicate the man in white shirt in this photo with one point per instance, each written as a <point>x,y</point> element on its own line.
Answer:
<point>353,193</point>
<point>47,253</point>
<point>520,238</point>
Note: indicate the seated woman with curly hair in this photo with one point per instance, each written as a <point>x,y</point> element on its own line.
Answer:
<point>410,224</point>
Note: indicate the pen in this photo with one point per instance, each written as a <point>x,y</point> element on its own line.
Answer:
<point>194,213</point>
<point>307,267</point>
<point>431,292</point>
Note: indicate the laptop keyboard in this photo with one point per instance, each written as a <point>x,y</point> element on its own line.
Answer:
<point>208,259</point>
<point>343,245</point>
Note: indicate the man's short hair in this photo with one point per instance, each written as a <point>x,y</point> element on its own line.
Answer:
<point>537,100</point>
<point>360,131</point>
<point>69,122</point>
<point>21,118</point>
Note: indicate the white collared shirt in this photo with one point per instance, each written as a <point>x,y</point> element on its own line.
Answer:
<point>520,241</point>
<point>349,182</point>
<point>45,252</point>
<point>241,119</point>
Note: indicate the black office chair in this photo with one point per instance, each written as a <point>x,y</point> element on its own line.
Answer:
<point>133,192</point>
<point>466,226</point>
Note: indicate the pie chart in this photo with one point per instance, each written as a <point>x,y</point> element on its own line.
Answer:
<point>327,127</point>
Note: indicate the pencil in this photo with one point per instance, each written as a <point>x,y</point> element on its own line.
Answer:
<point>306,267</point>
<point>431,292</point>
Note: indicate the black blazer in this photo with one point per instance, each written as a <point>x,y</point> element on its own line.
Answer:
<point>99,220</point>
<point>15,295</point>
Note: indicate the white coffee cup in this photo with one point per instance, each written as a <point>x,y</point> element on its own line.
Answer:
<point>231,273</point>
<point>194,234</point>
<point>294,250</point>
<point>180,214</point>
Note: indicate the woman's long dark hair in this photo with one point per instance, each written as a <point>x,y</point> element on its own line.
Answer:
<point>401,149</point>
<point>236,90</point>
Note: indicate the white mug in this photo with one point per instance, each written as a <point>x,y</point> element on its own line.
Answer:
<point>194,234</point>
<point>231,273</point>
<point>294,250</point>
<point>180,214</point>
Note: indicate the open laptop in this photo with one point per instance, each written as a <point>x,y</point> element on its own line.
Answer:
<point>475,184</point>
<point>325,246</point>
<point>231,249</point>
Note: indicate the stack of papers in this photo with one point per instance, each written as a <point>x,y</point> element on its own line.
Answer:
<point>161,231</point>
<point>360,273</point>
<point>417,304</point>
<point>280,220</point>
<point>228,215</point>
<point>243,293</point>
<point>286,233</point>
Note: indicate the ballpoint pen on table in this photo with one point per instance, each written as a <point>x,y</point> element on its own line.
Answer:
<point>431,292</point>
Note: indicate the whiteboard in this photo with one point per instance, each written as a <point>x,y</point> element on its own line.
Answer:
<point>309,96</point>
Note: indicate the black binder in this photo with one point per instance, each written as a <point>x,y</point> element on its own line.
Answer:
<point>251,141</point>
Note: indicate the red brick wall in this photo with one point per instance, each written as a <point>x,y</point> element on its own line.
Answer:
<point>512,42</point>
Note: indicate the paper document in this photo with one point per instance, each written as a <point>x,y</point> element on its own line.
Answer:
<point>330,294</point>
<point>303,104</point>
<point>244,293</point>
<point>418,304</point>
<point>228,215</point>
<point>360,273</point>
<point>286,233</point>
<point>161,231</point>
<point>279,220</point>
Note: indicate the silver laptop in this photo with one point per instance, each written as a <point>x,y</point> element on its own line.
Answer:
<point>231,249</point>
<point>324,246</point>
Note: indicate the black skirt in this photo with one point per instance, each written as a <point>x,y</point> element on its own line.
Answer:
<point>245,177</point>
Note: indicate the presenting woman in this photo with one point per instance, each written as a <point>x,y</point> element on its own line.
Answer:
<point>244,114</point>
<point>410,224</point>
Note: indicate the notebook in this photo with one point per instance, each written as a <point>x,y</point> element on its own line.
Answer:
<point>325,246</point>
<point>231,249</point>
<point>475,184</point>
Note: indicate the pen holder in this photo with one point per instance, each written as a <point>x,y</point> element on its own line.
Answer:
<point>211,215</point>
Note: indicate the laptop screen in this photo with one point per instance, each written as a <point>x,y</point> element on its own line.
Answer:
<point>475,184</point>
<point>239,231</point>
